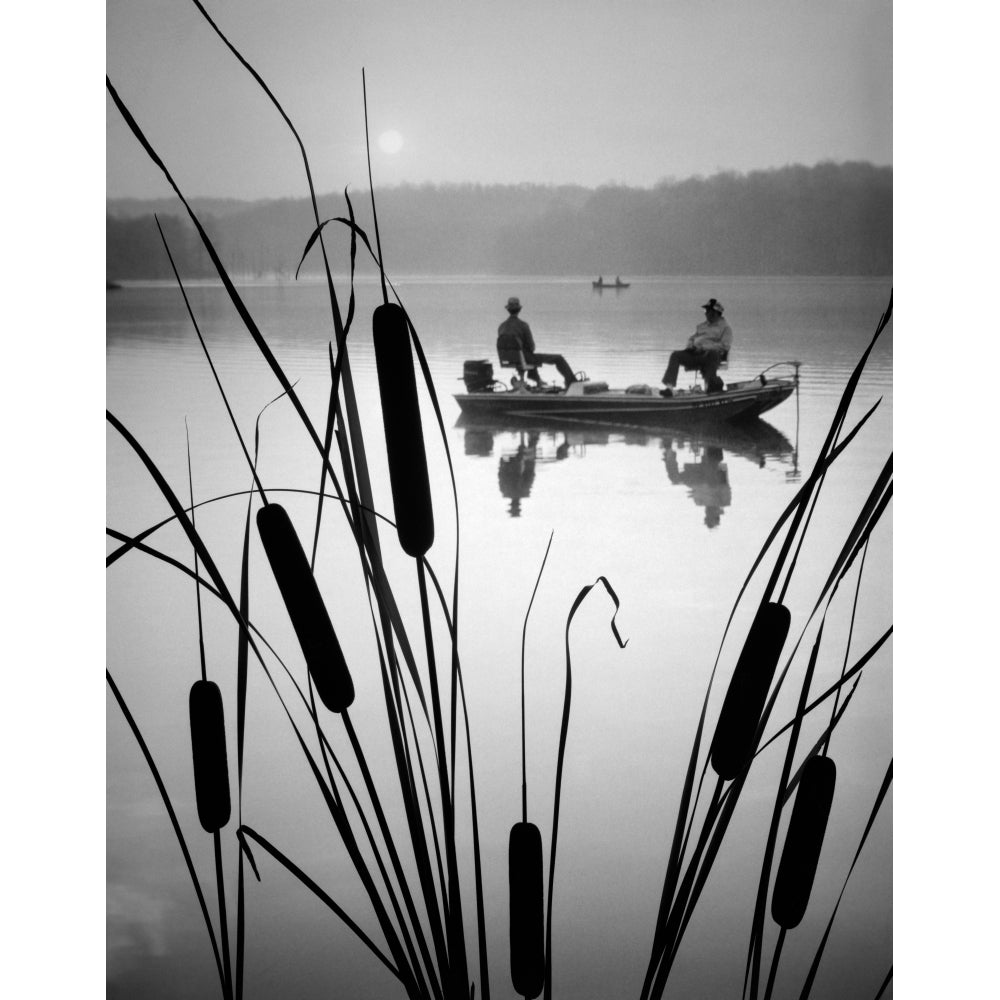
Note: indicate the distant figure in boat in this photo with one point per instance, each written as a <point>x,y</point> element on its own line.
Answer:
<point>706,349</point>
<point>514,341</point>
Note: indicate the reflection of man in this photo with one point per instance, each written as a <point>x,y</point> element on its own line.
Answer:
<point>707,480</point>
<point>517,473</point>
<point>514,334</point>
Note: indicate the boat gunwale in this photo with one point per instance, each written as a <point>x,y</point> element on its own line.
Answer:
<point>731,404</point>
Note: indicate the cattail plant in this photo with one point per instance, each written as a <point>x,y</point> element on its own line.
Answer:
<point>803,842</point>
<point>426,946</point>
<point>733,744</point>
<point>208,750</point>
<point>527,919</point>
<point>404,439</point>
<point>308,613</point>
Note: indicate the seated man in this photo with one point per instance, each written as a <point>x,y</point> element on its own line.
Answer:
<point>708,346</point>
<point>514,334</point>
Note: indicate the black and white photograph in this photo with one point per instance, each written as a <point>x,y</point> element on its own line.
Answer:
<point>499,499</point>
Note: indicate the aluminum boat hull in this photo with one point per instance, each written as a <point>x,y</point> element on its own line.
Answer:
<point>741,401</point>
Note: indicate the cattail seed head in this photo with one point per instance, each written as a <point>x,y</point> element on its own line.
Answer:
<point>803,842</point>
<point>733,744</point>
<point>404,440</point>
<point>208,751</point>
<point>305,606</point>
<point>527,922</point>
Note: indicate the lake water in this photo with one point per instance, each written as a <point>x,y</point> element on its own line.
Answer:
<point>672,518</point>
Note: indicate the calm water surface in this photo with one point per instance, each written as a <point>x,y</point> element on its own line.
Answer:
<point>673,518</point>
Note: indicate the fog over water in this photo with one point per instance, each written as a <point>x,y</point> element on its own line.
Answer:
<point>672,517</point>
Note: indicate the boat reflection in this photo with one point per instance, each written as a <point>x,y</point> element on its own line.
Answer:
<point>694,457</point>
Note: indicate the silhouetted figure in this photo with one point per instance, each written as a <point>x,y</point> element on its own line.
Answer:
<point>514,334</point>
<point>707,480</point>
<point>706,349</point>
<point>517,473</point>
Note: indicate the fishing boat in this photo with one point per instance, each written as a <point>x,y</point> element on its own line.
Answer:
<point>617,283</point>
<point>643,405</point>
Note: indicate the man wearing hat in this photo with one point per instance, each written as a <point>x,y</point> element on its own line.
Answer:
<point>705,350</point>
<point>514,334</point>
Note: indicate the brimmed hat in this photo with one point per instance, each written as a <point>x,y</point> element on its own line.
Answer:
<point>714,304</point>
<point>513,304</point>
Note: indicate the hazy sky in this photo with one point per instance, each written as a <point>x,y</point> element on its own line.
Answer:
<point>542,91</point>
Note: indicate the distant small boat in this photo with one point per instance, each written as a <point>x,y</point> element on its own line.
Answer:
<point>617,283</point>
<point>113,286</point>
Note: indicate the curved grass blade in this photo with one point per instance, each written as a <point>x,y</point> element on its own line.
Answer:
<point>524,854</point>
<point>821,745</point>
<point>757,930</point>
<point>324,897</point>
<point>343,827</point>
<point>234,295</point>
<point>850,629</point>
<point>331,416</point>
<point>814,966</point>
<point>885,984</point>
<point>473,808</point>
<point>397,864</point>
<point>686,810</point>
<point>211,364</point>
<point>455,926</point>
<point>174,822</point>
<point>560,758</point>
<point>524,639</point>
<point>835,427</point>
<point>371,188</point>
<point>332,802</point>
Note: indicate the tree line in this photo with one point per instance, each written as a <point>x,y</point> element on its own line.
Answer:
<point>828,219</point>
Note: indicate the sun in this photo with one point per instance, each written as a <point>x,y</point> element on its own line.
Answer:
<point>390,142</point>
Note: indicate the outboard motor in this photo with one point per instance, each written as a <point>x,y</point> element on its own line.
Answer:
<point>477,375</point>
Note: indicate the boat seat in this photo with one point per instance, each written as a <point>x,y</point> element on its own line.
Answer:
<point>513,357</point>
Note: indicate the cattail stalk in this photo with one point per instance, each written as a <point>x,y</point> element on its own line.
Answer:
<point>404,440</point>
<point>527,923</point>
<point>208,750</point>
<point>803,842</point>
<point>733,744</point>
<point>320,647</point>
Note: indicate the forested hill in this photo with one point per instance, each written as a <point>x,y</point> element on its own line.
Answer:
<point>827,219</point>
